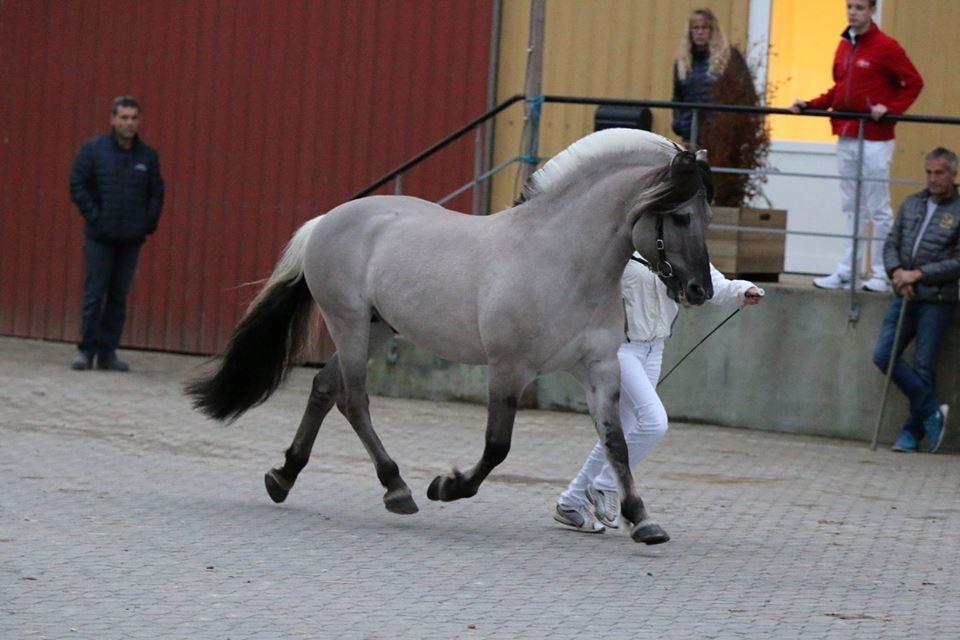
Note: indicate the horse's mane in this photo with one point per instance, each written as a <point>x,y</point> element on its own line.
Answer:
<point>638,146</point>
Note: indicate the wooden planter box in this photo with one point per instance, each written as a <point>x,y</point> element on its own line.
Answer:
<point>747,253</point>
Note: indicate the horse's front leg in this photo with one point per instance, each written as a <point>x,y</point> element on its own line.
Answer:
<point>506,384</point>
<point>601,381</point>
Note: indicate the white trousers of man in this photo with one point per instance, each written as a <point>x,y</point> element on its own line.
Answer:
<point>874,201</point>
<point>642,416</point>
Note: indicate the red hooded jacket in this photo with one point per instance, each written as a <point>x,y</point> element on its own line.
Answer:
<point>874,70</point>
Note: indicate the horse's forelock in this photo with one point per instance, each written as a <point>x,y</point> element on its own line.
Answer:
<point>674,186</point>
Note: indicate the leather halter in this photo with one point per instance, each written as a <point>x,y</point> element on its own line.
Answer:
<point>664,268</point>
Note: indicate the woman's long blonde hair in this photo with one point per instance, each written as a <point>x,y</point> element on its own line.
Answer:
<point>719,47</point>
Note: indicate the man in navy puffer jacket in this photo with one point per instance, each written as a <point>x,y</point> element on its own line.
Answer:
<point>116,185</point>
<point>922,259</point>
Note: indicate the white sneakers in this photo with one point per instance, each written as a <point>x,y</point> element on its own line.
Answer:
<point>580,519</point>
<point>606,506</point>
<point>877,285</point>
<point>832,281</point>
<point>836,281</point>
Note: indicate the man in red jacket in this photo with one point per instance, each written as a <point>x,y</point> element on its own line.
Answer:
<point>871,74</point>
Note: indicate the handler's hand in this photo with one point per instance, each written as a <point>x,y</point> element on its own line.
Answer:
<point>903,277</point>
<point>906,291</point>
<point>753,295</point>
<point>877,111</point>
<point>797,106</point>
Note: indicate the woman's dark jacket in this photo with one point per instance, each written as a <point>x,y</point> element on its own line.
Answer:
<point>698,86</point>
<point>118,191</point>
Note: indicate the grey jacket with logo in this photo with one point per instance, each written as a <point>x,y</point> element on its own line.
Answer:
<point>938,255</point>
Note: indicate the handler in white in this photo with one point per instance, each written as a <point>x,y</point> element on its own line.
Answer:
<point>650,314</point>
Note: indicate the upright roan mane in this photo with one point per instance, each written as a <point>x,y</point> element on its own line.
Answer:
<point>641,147</point>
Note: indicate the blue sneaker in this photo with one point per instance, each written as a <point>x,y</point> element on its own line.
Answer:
<point>934,427</point>
<point>906,443</point>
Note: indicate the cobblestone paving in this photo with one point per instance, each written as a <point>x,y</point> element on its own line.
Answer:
<point>126,515</point>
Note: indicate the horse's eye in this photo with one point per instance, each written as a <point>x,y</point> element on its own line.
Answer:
<point>680,219</point>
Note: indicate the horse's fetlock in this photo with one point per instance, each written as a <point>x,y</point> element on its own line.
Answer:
<point>293,465</point>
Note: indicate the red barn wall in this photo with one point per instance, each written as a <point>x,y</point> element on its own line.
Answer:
<point>264,112</point>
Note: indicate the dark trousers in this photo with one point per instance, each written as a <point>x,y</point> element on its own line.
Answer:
<point>926,322</point>
<point>110,270</point>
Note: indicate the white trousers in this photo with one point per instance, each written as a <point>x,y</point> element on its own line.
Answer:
<point>874,200</point>
<point>642,416</point>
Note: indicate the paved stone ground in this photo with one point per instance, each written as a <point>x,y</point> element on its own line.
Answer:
<point>126,515</point>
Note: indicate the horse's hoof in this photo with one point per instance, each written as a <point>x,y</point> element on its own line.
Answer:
<point>400,502</point>
<point>277,487</point>
<point>649,533</point>
<point>433,491</point>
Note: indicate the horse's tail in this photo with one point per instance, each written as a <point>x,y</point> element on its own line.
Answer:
<point>264,343</point>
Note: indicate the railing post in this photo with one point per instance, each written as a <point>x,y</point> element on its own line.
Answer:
<point>854,313</point>
<point>398,185</point>
<point>532,91</point>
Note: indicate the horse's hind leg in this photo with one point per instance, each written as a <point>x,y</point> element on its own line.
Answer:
<point>506,385</point>
<point>323,395</point>
<point>354,403</point>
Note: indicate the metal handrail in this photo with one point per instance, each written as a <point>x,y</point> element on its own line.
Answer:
<point>709,106</point>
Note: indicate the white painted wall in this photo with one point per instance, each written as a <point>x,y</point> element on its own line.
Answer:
<point>812,204</point>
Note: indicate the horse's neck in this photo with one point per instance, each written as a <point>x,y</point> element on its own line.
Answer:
<point>591,227</point>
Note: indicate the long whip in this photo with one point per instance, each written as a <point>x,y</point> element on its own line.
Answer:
<point>886,383</point>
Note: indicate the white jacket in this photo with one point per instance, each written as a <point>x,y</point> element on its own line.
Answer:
<point>651,312</point>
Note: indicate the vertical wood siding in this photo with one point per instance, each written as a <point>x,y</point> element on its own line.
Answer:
<point>264,112</point>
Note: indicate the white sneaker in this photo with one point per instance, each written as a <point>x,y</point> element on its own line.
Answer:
<point>832,281</point>
<point>877,285</point>
<point>606,504</point>
<point>580,519</point>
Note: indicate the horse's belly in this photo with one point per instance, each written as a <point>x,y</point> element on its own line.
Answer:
<point>448,336</point>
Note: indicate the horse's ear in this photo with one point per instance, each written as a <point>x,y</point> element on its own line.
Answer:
<point>706,176</point>
<point>683,165</point>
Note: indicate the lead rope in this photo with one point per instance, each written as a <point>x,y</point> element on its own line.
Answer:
<point>674,367</point>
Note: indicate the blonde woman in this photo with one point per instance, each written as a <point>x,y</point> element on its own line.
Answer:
<point>704,61</point>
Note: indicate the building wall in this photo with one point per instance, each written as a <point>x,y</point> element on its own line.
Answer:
<point>927,29</point>
<point>265,113</point>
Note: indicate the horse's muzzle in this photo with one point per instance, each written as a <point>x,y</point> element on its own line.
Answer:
<point>695,294</point>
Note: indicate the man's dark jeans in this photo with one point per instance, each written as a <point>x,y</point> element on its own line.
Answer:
<point>110,270</point>
<point>926,322</point>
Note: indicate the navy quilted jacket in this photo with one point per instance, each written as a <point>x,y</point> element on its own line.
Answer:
<point>938,255</point>
<point>118,191</point>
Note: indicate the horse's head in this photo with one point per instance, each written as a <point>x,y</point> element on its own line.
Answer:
<point>670,224</point>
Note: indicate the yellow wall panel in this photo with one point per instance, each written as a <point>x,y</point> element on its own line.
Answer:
<point>600,48</point>
<point>927,29</point>
<point>804,35</point>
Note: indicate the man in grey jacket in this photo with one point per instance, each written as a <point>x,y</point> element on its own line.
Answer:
<point>922,259</point>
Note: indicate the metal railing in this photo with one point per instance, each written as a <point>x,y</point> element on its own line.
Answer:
<point>535,103</point>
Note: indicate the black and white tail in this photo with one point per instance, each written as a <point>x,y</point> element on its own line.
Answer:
<point>264,343</point>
